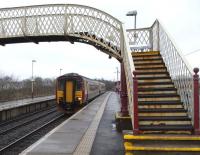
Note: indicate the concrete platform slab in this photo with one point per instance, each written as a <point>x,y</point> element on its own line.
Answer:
<point>71,135</point>
<point>19,103</point>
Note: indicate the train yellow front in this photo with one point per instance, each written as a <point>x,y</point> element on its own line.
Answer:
<point>74,90</point>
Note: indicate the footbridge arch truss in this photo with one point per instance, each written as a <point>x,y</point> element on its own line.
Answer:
<point>69,22</point>
<point>61,22</point>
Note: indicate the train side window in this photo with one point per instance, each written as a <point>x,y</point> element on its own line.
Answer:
<point>61,85</point>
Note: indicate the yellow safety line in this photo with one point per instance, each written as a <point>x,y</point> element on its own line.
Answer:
<point>122,117</point>
<point>168,137</point>
<point>129,147</point>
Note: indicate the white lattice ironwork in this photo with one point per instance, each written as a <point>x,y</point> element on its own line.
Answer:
<point>60,22</point>
<point>139,39</point>
<point>179,70</point>
<point>74,22</point>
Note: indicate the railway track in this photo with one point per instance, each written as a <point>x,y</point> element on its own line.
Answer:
<point>16,138</point>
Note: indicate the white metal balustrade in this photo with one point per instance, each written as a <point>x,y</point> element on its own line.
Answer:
<point>55,22</point>
<point>70,22</point>
<point>155,38</point>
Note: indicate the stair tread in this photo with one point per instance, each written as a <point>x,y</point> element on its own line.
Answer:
<point>149,59</point>
<point>180,118</point>
<point>162,110</point>
<point>157,95</point>
<point>151,68</point>
<point>165,127</point>
<point>160,72</point>
<point>162,147</point>
<point>157,89</point>
<point>147,64</point>
<point>154,83</point>
<point>154,78</point>
<point>160,103</point>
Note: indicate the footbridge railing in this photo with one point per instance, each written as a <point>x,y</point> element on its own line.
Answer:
<point>69,22</point>
<point>61,22</point>
<point>157,39</point>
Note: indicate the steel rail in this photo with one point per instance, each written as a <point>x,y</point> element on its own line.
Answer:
<point>29,134</point>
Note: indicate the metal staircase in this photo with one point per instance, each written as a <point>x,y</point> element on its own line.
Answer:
<point>160,107</point>
<point>165,99</point>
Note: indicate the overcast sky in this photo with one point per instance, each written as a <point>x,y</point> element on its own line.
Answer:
<point>181,18</point>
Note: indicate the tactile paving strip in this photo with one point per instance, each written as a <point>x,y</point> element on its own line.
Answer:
<point>86,142</point>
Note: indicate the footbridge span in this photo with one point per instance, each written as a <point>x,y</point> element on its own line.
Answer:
<point>159,91</point>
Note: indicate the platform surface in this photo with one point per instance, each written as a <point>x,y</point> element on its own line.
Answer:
<point>19,103</point>
<point>76,135</point>
<point>108,141</point>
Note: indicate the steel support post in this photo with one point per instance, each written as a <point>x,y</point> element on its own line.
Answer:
<point>123,93</point>
<point>135,104</point>
<point>196,101</point>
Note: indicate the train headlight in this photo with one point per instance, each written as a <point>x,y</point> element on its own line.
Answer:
<point>79,98</point>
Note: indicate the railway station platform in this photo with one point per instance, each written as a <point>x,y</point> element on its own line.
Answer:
<point>15,108</point>
<point>92,131</point>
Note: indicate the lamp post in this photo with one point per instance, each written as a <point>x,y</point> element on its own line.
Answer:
<point>61,70</point>
<point>32,81</point>
<point>132,13</point>
<point>117,73</point>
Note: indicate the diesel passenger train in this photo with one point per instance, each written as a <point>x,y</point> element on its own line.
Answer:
<point>74,90</point>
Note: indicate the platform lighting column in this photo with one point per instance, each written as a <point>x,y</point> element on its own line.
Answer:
<point>32,81</point>
<point>133,13</point>
<point>60,71</point>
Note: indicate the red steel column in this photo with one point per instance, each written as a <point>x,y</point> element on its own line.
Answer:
<point>135,104</point>
<point>123,92</point>
<point>196,101</point>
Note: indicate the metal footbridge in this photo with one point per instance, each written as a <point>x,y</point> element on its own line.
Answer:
<point>78,23</point>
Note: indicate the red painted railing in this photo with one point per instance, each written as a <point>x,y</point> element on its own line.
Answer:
<point>135,104</point>
<point>196,101</point>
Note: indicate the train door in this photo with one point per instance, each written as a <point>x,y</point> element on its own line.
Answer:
<point>69,91</point>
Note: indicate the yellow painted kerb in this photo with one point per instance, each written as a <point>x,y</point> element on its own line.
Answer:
<point>130,147</point>
<point>168,137</point>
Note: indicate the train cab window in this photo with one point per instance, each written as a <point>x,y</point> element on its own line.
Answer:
<point>78,85</point>
<point>61,85</point>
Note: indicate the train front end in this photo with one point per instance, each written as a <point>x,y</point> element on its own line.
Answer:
<point>69,93</point>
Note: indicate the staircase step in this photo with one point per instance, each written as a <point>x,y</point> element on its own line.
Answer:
<point>143,59</point>
<point>160,118</point>
<point>161,137</point>
<point>149,62</point>
<point>162,149</point>
<point>160,103</point>
<point>150,66</point>
<point>155,83</point>
<point>149,53</point>
<point>152,70</point>
<point>157,89</point>
<point>165,122</point>
<point>153,75</point>
<point>164,106</point>
<point>165,127</point>
<point>139,58</point>
<point>146,68</point>
<point>162,110</point>
<point>156,92</point>
<point>156,86</point>
<point>157,95</point>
